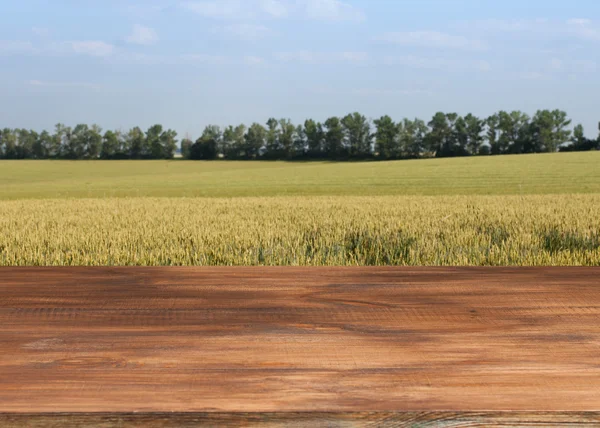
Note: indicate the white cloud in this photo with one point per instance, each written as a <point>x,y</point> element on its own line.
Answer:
<point>583,29</point>
<point>533,75</point>
<point>274,8</point>
<point>224,9</point>
<point>92,48</point>
<point>8,47</point>
<point>206,59</point>
<point>141,35</point>
<point>332,10</point>
<point>253,60</point>
<point>438,63</point>
<point>323,10</point>
<point>506,25</point>
<point>433,39</point>
<point>556,64</point>
<point>323,57</point>
<point>249,32</point>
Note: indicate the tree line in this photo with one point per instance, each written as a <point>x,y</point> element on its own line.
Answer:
<point>338,138</point>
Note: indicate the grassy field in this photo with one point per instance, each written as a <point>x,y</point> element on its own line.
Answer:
<point>514,210</point>
<point>562,173</point>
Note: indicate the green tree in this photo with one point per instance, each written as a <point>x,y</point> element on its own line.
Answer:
<point>413,137</point>
<point>110,145</point>
<point>272,139</point>
<point>474,130</point>
<point>153,147</point>
<point>286,138</point>
<point>334,138</point>
<point>9,144</point>
<point>386,137</point>
<point>300,143</point>
<point>168,143</point>
<point>255,140</point>
<point>314,136</point>
<point>186,145</point>
<point>26,142</point>
<point>136,141</point>
<point>93,143</point>
<point>205,148</point>
<point>513,129</point>
<point>439,134</point>
<point>550,128</point>
<point>492,123</point>
<point>358,137</point>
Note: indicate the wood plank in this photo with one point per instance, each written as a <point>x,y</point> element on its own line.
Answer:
<point>351,343</point>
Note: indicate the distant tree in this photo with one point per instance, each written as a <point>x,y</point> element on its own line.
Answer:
<point>75,145</point>
<point>153,147</point>
<point>413,135</point>
<point>168,142</point>
<point>579,142</point>
<point>93,142</point>
<point>110,145</point>
<point>314,136</point>
<point>493,123</point>
<point>513,130</point>
<point>136,142</point>
<point>358,138</point>
<point>205,148</point>
<point>26,140</point>
<point>8,145</point>
<point>386,138</point>
<point>273,148</point>
<point>255,140</point>
<point>334,138</point>
<point>300,143</point>
<point>439,134</point>
<point>550,128</point>
<point>186,145</point>
<point>41,145</point>
<point>286,138</point>
<point>474,130</point>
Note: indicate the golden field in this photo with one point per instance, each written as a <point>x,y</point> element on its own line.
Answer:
<point>525,230</point>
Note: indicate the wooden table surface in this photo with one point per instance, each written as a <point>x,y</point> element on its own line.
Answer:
<point>272,345</point>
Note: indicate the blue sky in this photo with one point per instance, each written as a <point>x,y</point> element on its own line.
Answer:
<point>186,64</point>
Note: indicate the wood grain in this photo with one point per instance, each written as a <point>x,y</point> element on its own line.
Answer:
<point>350,343</point>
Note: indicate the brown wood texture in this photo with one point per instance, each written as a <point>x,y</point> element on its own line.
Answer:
<point>347,344</point>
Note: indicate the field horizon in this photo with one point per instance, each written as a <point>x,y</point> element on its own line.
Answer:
<point>556,173</point>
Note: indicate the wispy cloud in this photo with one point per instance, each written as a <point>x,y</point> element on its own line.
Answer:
<point>141,35</point>
<point>332,10</point>
<point>205,59</point>
<point>223,9</point>
<point>323,57</point>
<point>322,10</point>
<point>253,60</point>
<point>584,29</point>
<point>444,64</point>
<point>8,47</point>
<point>433,39</point>
<point>92,48</point>
<point>274,8</point>
<point>249,32</point>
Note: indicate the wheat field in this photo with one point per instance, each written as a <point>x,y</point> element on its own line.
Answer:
<point>312,231</point>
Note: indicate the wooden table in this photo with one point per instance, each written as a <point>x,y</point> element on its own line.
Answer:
<point>303,346</point>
